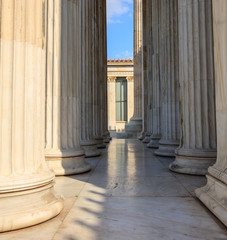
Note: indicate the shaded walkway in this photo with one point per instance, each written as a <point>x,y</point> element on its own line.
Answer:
<point>130,194</point>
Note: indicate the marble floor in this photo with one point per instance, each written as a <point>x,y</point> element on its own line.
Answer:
<point>130,194</point>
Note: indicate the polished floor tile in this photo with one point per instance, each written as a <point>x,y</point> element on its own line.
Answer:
<point>129,194</point>
<point>139,219</point>
<point>138,186</point>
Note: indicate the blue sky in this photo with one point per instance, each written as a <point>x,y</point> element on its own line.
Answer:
<point>120,28</point>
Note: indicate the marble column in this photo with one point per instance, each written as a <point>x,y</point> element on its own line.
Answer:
<point>88,142</point>
<point>156,81</point>
<point>197,149</point>
<point>63,152</point>
<point>170,127</point>
<point>147,60</point>
<point>98,129</point>
<point>106,133</point>
<point>145,81</point>
<point>214,194</point>
<point>134,127</point>
<point>27,194</point>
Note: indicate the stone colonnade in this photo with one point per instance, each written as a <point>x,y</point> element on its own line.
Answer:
<point>53,96</point>
<point>184,58</point>
<point>52,101</point>
<point>178,63</point>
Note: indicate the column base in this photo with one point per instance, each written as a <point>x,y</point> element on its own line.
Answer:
<point>91,151</point>
<point>154,142</point>
<point>21,209</point>
<point>191,165</point>
<point>147,138</point>
<point>106,140</point>
<point>214,196</point>
<point>167,148</point>
<point>142,136</point>
<point>67,163</point>
<point>134,128</point>
<point>107,137</point>
<point>100,143</point>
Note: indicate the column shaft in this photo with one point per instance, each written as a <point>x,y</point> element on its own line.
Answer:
<point>197,150</point>
<point>63,152</point>
<point>147,60</point>
<point>26,184</point>
<point>98,76</point>
<point>214,194</point>
<point>156,81</point>
<point>134,127</point>
<point>106,133</point>
<point>145,136</point>
<point>88,141</point>
<point>170,127</point>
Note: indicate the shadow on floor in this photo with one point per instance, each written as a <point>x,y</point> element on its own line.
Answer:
<point>129,194</point>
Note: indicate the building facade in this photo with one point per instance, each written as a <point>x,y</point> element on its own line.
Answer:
<point>120,91</point>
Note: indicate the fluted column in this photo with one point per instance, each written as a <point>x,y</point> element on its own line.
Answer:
<point>156,81</point>
<point>214,194</point>
<point>147,60</point>
<point>88,142</point>
<point>170,127</point>
<point>134,127</point>
<point>63,152</point>
<point>197,150</point>
<point>98,77</point>
<point>26,183</point>
<point>145,136</point>
<point>106,133</point>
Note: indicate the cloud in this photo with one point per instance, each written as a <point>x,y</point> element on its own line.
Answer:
<point>125,54</point>
<point>117,8</point>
